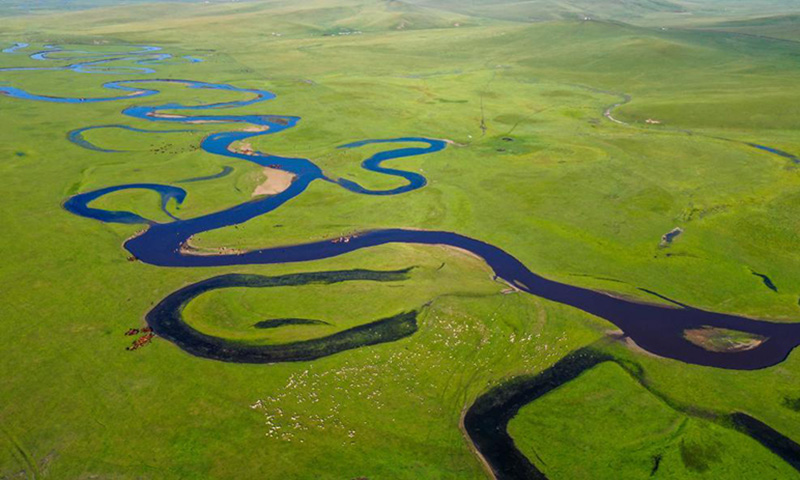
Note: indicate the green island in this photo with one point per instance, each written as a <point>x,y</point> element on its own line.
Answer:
<point>400,239</point>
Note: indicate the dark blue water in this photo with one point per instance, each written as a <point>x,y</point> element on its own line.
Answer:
<point>79,204</point>
<point>486,420</point>
<point>671,235</point>
<point>373,164</point>
<point>780,153</point>
<point>132,93</point>
<point>83,61</point>
<point>76,136</point>
<point>656,328</point>
<point>767,281</point>
<point>226,170</point>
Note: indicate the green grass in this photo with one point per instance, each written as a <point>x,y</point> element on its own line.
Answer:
<point>777,26</point>
<point>605,425</point>
<point>576,197</point>
<point>232,312</point>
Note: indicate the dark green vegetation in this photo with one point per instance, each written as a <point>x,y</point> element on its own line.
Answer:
<point>778,26</point>
<point>280,322</point>
<point>575,195</point>
<point>166,320</point>
<point>653,435</point>
<point>631,426</point>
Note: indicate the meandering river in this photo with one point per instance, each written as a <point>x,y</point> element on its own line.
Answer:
<point>657,329</point>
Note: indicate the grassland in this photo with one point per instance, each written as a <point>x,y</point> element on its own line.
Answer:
<point>574,196</point>
<point>651,439</point>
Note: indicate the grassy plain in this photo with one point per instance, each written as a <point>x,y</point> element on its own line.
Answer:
<point>575,196</point>
<point>651,440</point>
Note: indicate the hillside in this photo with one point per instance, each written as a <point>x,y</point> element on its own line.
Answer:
<point>257,18</point>
<point>785,27</point>
<point>645,12</point>
<point>408,14</point>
